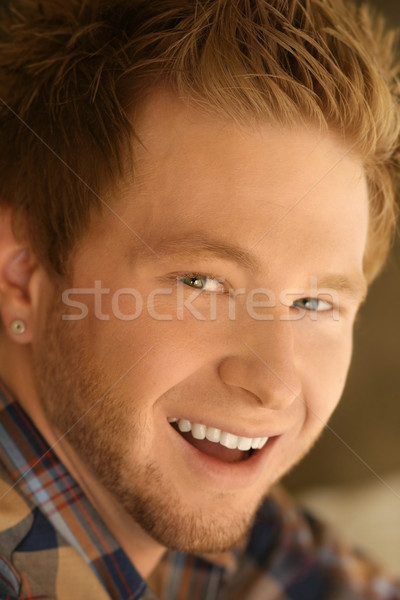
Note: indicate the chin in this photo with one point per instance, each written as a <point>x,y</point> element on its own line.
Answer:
<point>178,525</point>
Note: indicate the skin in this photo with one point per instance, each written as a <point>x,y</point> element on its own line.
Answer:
<point>113,383</point>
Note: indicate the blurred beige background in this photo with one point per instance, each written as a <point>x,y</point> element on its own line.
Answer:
<point>352,476</point>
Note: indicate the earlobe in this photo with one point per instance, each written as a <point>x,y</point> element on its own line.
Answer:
<point>17,267</point>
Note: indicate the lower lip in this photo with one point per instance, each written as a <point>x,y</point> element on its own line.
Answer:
<point>232,476</point>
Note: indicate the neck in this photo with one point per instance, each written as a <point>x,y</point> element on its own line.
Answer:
<point>144,552</point>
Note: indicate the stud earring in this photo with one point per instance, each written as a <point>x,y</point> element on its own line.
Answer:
<point>18,327</point>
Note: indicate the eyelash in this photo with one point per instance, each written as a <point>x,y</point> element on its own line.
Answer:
<point>179,277</point>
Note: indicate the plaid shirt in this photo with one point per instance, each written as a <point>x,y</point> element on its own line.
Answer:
<point>53,544</point>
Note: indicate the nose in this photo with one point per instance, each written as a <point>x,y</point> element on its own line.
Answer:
<point>263,362</point>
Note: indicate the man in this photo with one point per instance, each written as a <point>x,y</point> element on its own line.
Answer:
<point>195,196</point>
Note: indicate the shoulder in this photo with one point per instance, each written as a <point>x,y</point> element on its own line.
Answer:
<point>306,558</point>
<point>16,519</point>
<point>9,581</point>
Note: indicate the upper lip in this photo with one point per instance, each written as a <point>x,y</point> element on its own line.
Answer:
<point>239,430</point>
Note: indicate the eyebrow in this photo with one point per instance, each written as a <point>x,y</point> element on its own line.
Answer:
<point>354,285</point>
<point>197,245</point>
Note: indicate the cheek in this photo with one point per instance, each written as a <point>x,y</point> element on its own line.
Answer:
<point>325,369</point>
<point>151,356</point>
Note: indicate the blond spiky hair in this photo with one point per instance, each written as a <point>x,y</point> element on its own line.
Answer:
<point>71,74</point>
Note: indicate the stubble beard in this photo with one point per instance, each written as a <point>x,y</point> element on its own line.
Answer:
<point>78,397</point>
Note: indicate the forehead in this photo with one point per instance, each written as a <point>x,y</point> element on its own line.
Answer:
<point>267,188</point>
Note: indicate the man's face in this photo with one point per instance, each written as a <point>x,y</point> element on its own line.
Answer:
<point>251,364</point>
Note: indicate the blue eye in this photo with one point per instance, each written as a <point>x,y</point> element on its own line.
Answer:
<point>204,283</point>
<point>313,304</point>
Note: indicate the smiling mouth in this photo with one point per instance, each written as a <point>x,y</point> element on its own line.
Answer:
<point>223,445</point>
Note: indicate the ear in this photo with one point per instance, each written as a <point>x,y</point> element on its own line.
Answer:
<point>18,267</point>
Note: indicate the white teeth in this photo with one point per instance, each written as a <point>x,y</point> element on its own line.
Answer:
<point>229,440</point>
<point>261,443</point>
<point>244,443</point>
<point>212,434</point>
<point>184,425</point>
<point>198,431</point>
